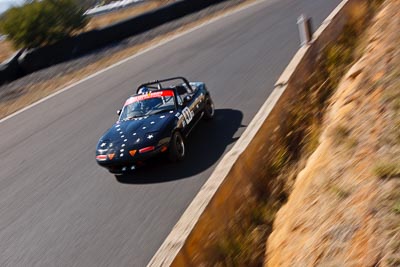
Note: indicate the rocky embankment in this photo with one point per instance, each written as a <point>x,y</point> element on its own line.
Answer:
<point>344,209</point>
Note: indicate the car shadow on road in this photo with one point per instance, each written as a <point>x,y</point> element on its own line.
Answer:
<point>205,146</point>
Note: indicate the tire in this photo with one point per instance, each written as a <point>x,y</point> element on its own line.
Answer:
<point>177,150</point>
<point>209,110</point>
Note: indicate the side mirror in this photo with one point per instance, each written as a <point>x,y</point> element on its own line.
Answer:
<point>118,112</point>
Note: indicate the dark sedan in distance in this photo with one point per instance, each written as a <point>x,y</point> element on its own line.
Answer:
<point>157,119</point>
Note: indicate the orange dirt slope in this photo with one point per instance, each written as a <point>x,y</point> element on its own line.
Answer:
<point>345,206</point>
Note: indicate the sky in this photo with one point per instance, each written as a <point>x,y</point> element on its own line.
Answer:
<point>4,4</point>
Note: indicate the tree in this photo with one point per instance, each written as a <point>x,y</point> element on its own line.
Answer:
<point>39,23</point>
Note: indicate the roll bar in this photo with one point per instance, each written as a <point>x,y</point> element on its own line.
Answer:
<point>159,85</point>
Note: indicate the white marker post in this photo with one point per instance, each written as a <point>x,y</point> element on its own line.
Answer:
<point>304,25</point>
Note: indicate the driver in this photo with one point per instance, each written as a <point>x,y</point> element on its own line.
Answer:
<point>148,104</point>
<point>143,91</point>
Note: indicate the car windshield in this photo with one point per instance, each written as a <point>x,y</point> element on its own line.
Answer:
<point>148,104</point>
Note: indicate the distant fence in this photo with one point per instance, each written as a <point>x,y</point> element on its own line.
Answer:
<point>35,59</point>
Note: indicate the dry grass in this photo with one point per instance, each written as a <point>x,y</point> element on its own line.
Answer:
<point>244,245</point>
<point>387,169</point>
<point>37,91</point>
<point>396,207</point>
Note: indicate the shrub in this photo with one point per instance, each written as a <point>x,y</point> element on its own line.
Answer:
<point>39,23</point>
<point>396,207</point>
<point>387,170</point>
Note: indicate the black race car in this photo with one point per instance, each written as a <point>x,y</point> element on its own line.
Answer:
<point>155,120</point>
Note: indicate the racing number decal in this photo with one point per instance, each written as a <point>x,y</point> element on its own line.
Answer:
<point>187,114</point>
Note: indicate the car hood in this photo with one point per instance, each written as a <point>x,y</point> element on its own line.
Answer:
<point>136,130</point>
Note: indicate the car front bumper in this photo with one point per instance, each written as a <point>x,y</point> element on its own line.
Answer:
<point>120,165</point>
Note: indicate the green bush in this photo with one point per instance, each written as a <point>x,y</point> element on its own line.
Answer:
<point>387,169</point>
<point>39,23</point>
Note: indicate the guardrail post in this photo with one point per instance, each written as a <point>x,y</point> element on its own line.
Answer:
<point>305,31</point>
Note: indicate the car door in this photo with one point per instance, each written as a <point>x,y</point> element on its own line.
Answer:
<point>188,112</point>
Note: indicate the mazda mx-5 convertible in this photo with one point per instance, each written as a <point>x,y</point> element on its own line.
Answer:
<point>157,119</point>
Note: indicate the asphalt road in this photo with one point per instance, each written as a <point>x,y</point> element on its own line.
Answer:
<point>58,208</point>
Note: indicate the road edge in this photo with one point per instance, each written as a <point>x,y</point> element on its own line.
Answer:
<point>177,249</point>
